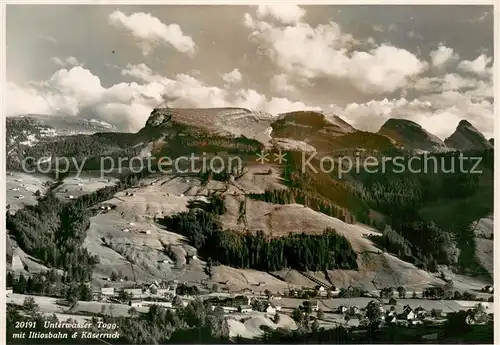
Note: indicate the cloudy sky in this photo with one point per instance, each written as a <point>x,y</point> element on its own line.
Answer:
<point>430,64</point>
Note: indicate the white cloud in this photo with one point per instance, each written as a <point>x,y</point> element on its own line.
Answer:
<point>140,72</point>
<point>251,99</point>
<point>324,51</point>
<point>447,82</point>
<point>478,67</point>
<point>281,83</point>
<point>70,61</point>
<point>285,13</point>
<point>25,100</point>
<point>78,92</point>
<point>439,114</point>
<point>233,77</point>
<point>442,56</point>
<point>126,105</point>
<point>149,31</point>
<point>278,105</point>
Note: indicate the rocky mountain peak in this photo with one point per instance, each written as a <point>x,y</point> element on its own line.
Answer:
<point>467,137</point>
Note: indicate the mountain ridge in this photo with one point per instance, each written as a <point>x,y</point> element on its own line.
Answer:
<point>412,135</point>
<point>227,129</point>
<point>297,126</point>
<point>467,137</point>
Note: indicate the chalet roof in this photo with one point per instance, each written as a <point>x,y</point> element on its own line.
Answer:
<point>407,312</point>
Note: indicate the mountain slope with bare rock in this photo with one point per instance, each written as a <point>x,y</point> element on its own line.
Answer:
<point>466,137</point>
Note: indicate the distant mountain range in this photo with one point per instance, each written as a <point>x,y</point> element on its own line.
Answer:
<point>294,131</point>
<point>311,129</point>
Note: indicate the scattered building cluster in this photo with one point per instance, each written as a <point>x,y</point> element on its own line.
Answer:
<point>137,292</point>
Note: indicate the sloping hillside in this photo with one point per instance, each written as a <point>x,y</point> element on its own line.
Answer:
<point>423,220</point>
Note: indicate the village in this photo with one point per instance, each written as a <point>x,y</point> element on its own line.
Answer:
<point>331,307</point>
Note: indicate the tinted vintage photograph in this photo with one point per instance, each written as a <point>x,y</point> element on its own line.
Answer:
<point>259,174</point>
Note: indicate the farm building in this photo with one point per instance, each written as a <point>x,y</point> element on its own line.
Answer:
<point>134,291</point>
<point>108,291</point>
<point>342,309</point>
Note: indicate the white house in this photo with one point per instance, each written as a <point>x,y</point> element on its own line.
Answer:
<point>245,309</point>
<point>134,291</point>
<point>420,312</point>
<point>8,292</point>
<point>272,309</point>
<point>319,288</point>
<point>108,291</point>
<point>342,309</point>
<point>408,315</point>
<point>164,291</point>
